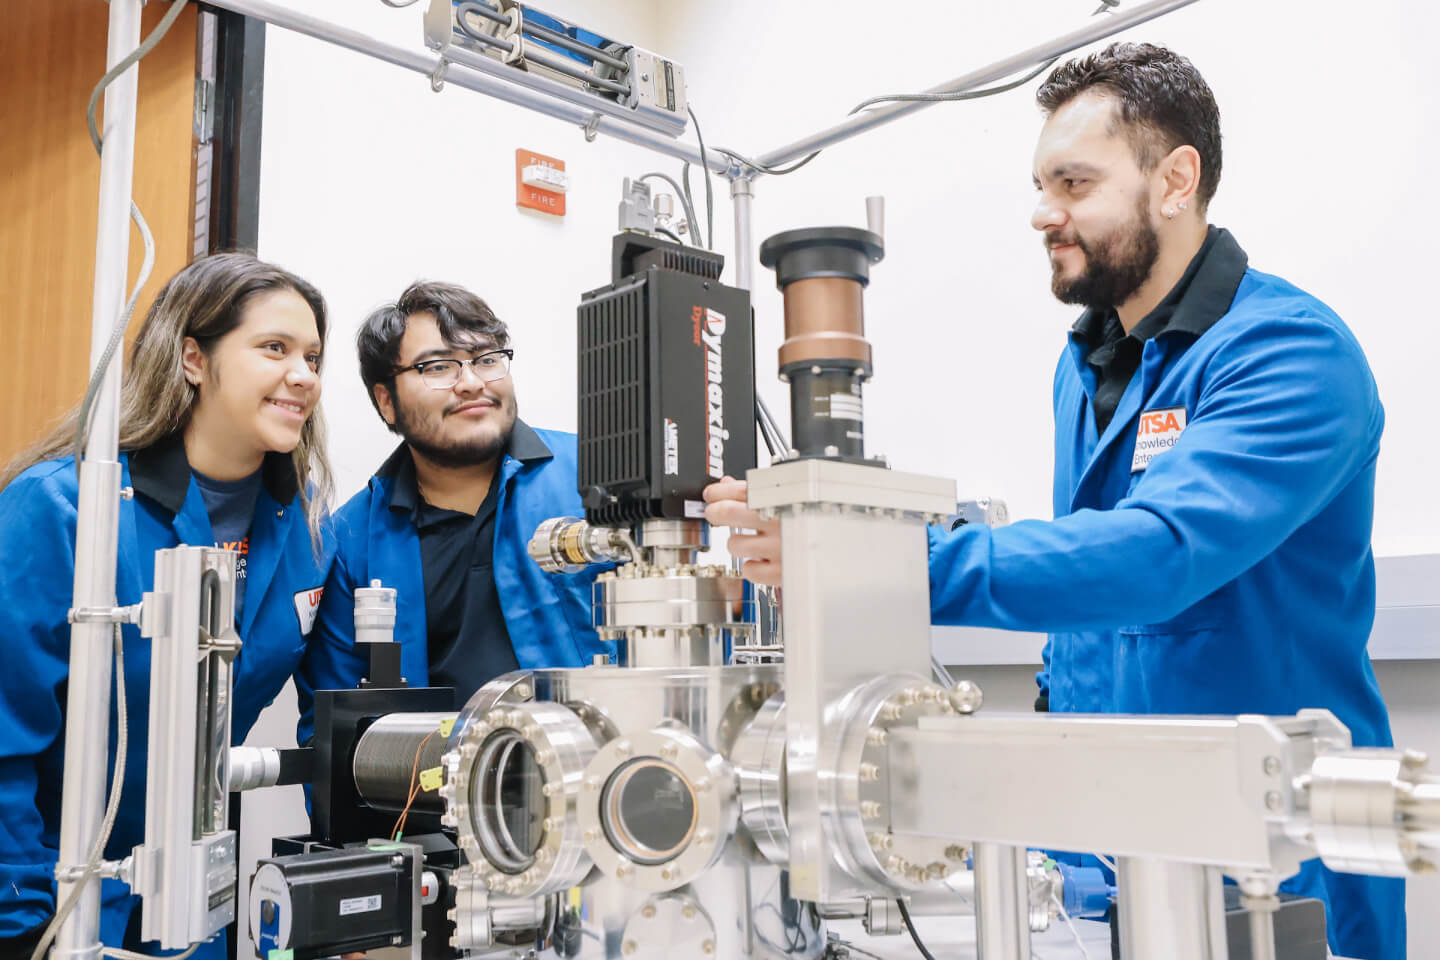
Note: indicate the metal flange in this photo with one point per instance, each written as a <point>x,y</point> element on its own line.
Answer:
<point>657,808</point>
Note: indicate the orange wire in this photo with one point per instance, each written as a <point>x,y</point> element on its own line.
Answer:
<point>414,787</point>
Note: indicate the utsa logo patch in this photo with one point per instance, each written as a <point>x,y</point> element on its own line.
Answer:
<point>1159,431</point>
<point>307,604</point>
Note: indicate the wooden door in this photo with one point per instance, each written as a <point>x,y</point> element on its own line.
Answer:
<point>52,53</point>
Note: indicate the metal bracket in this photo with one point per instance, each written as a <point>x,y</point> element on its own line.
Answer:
<point>130,614</point>
<point>591,128</point>
<point>437,76</point>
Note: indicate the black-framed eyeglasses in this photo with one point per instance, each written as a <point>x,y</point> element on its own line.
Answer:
<point>444,373</point>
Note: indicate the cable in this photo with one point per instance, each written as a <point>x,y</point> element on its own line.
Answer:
<point>112,806</point>
<point>1109,863</point>
<point>671,234</point>
<point>910,925</point>
<point>1071,924</point>
<point>399,6</point>
<point>852,948</point>
<point>414,787</point>
<point>709,196</point>
<point>957,95</point>
<point>765,168</point>
<point>132,955</point>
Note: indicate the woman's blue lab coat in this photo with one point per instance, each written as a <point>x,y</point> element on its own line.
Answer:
<point>1230,574</point>
<point>37,562</point>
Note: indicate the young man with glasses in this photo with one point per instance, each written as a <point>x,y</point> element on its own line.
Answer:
<point>446,518</point>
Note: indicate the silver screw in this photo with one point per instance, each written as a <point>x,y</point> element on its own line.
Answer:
<point>1272,766</point>
<point>1273,800</point>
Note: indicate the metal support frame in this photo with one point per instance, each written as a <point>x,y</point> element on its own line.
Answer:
<point>1002,903</point>
<point>1174,910</point>
<point>87,705</point>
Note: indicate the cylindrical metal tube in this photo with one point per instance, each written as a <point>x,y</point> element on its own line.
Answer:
<point>374,614</point>
<point>390,756</point>
<point>577,46</point>
<point>87,705</point>
<point>570,69</point>
<point>1002,903</point>
<point>1262,934</point>
<point>1172,910</point>
<point>253,767</point>
<point>742,194</point>
<point>825,357</point>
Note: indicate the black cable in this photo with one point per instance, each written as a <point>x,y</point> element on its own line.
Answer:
<point>669,234</point>
<point>709,196</point>
<point>910,925</point>
<point>766,168</point>
<point>958,95</point>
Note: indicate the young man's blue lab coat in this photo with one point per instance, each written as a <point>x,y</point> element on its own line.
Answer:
<point>37,563</point>
<point>1221,566</point>
<point>547,615</point>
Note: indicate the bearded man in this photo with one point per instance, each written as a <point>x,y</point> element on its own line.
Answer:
<point>1216,433</point>
<point>446,518</point>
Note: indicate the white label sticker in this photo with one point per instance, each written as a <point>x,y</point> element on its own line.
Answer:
<point>695,509</point>
<point>1159,431</point>
<point>359,905</point>
<point>672,448</point>
<point>307,604</point>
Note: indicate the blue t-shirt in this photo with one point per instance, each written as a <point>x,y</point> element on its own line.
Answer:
<point>231,505</point>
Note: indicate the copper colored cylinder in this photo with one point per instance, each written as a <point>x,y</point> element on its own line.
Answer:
<point>824,320</point>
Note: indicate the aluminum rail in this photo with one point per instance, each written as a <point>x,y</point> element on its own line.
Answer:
<point>87,704</point>
<point>1099,29</point>
<point>426,63</point>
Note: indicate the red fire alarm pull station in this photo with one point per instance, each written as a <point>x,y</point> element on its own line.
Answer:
<point>540,182</point>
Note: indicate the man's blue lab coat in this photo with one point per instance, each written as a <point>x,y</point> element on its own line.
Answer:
<point>548,615</point>
<point>284,575</point>
<point>1223,567</point>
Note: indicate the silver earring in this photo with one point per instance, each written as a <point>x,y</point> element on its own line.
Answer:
<point>1169,214</point>
<point>1181,204</point>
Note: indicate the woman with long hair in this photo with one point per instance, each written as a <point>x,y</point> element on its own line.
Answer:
<point>222,444</point>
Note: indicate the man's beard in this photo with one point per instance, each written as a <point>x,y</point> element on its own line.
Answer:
<point>1115,265</point>
<point>423,437</point>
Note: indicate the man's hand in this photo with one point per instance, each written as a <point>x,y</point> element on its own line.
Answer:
<point>760,549</point>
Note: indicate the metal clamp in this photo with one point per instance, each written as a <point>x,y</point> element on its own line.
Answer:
<point>591,128</point>
<point>129,614</point>
<point>437,76</point>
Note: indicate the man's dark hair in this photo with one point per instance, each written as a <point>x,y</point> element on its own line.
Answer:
<point>462,317</point>
<point>1162,101</point>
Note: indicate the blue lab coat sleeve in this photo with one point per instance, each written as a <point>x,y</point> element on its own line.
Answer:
<point>37,564</point>
<point>1287,415</point>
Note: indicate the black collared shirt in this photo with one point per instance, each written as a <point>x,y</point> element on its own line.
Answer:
<point>468,641</point>
<point>1202,296</point>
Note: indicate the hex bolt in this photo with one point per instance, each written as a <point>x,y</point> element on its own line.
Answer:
<point>708,947</point>
<point>688,912</point>
<point>592,835</point>
<point>623,748</point>
<point>869,809</point>
<point>955,852</point>
<point>869,772</point>
<point>1272,766</point>
<point>877,737</point>
<point>668,751</point>
<point>1273,800</point>
<point>629,947</point>
<point>648,911</point>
